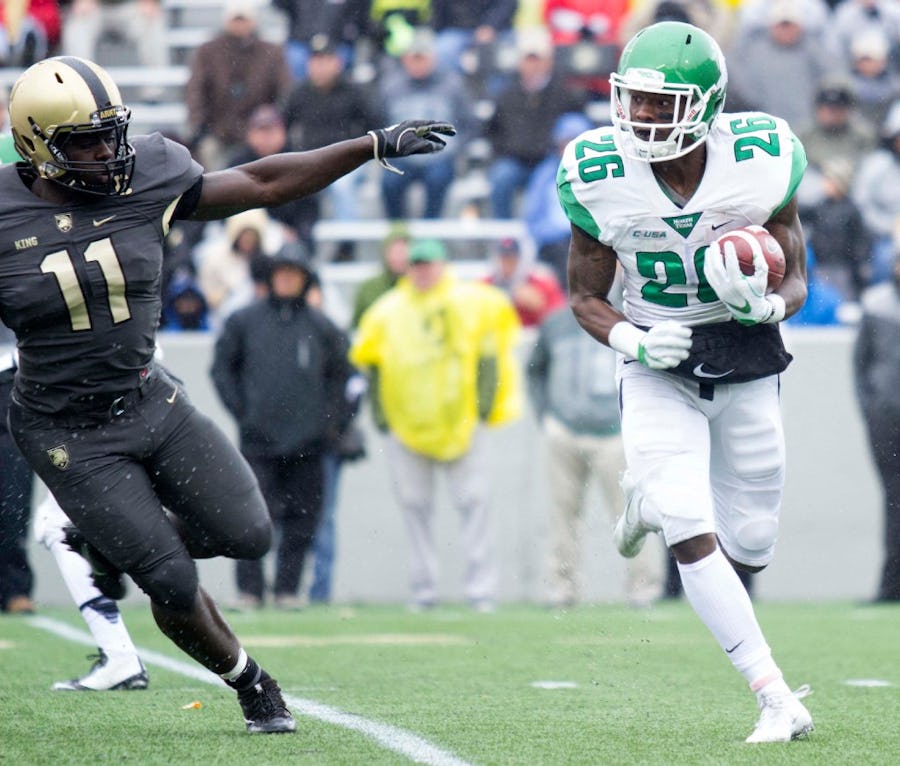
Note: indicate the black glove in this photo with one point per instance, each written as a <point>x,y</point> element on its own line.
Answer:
<point>409,137</point>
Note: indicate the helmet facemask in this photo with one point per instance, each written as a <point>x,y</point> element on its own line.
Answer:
<point>665,140</point>
<point>105,177</point>
<point>675,60</point>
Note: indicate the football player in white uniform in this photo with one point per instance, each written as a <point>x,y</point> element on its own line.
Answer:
<point>699,347</point>
<point>117,666</point>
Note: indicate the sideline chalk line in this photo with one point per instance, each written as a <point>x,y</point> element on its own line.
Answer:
<point>390,737</point>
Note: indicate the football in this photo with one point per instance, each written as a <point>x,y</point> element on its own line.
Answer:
<point>772,251</point>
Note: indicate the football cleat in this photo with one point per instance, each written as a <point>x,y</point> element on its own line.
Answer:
<point>106,576</point>
<point>630,532</point>
<point>108,675</point>
<point>265,711</point>
<point>782,717</point>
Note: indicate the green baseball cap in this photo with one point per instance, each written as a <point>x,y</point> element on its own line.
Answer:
<point>427,251</point>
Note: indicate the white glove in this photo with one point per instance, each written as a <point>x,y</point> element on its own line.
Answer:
<point>664,345</point>
<point>744,295</point>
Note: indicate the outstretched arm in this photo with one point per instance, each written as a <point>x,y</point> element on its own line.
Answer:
<point>279,178</point>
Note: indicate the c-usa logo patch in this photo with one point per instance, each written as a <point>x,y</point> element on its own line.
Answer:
<point>59,457</point>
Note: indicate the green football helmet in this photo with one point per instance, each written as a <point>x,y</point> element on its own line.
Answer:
<point>679,60</point>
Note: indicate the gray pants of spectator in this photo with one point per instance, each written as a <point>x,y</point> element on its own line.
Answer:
<point>468,478</point>
<point>574,460</point>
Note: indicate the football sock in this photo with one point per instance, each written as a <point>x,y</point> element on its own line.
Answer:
<point>107,627</point>
<point>245,674</point>
<point>76,573</point>
<point>720,600</point>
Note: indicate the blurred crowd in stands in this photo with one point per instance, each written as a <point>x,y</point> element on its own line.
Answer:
<point>519,78</point>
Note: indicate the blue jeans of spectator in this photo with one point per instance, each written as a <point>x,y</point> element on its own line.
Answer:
<point>323,543</point>
<point>882,260</point>
<point>343,195</point>
<point>449,44</point>
<point>436,174</point>
<point>507,175</point>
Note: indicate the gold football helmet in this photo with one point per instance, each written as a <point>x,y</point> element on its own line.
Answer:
<point>64,97</point>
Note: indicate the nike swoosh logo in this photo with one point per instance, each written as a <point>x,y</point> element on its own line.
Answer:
<point>103,220</point>
<point>698,371</point>
<point>729,651</point>
<point>171,399</point>
<point>720,225</point>
<point>745,309</point>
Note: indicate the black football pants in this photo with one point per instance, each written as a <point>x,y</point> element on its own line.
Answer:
<point>115,471</point>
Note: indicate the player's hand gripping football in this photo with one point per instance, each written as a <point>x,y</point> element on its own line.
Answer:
<point>409,137</point>
<point>743,294</point>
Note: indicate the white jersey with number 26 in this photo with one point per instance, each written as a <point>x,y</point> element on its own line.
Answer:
<point>754,165</point>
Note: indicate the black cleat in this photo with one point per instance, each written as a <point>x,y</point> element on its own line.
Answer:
<point>106,576</point>
<point>265,711</point>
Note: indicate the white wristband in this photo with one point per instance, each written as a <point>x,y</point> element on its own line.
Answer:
<point>778,308</point>
<point>625,338</point>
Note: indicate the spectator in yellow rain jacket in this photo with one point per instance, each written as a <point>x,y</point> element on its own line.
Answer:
<point>440,358</point>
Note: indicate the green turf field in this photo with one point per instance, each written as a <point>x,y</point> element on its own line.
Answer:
<point>377,685</point>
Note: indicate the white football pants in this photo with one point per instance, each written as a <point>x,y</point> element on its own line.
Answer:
<point>706,465</point>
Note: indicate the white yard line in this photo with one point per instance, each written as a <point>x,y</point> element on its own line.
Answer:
<point>404,743</point>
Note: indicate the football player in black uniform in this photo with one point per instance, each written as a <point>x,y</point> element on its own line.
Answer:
<point>111,434</point>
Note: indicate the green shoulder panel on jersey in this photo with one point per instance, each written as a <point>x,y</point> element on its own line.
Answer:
<point>8,153</point>
<point>798,168</point>
<point>576,212</point>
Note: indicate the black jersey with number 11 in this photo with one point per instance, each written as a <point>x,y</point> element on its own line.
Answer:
<point>80,282</point>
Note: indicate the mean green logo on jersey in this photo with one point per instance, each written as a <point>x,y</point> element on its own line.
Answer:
<point>683,224</point>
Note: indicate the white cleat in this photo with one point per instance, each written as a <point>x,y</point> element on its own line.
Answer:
<point>630,532</point>
<point>782,717</point>
<point>121,674</point>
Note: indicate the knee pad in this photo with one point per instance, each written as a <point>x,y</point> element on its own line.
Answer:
<point>753,542</point>
<point>172,583</point>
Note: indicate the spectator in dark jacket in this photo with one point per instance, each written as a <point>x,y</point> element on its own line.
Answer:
<point>266,135</point>
<point>280,368</point>
<point>877,363</point>
<point>329,107</point>
<point>521,127</point>
<point>463,24</point>
<point>230,76</point>
<point>342,21</point>
<point>835,228</point>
